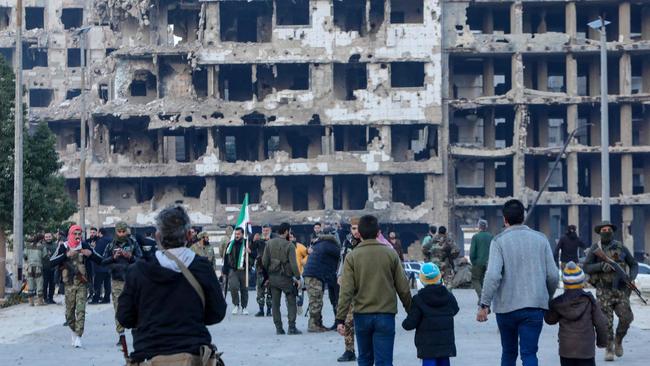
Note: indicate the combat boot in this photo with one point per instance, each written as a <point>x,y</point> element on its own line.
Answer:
<point>280,331</point>
<point>609,353</point>
<point>31,301</point>
<point>347,356</point>
<point>618,347</point>
<point>260,313</point>
<point>268,312</point>
<point>294,331</point>
<point>39,302</point>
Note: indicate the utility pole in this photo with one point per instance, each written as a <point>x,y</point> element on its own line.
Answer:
<point>600,25</point>
<point>82,153</point>
<point>18,152</point>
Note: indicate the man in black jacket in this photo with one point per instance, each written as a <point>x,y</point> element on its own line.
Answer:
<point>118,255</point>
<point>161,303</point>
<point>320,270</point>
<point>235,264</point>
<point>567,248</point>
<point>102,278</point>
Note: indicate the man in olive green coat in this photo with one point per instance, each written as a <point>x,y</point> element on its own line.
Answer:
<point>479,252</point>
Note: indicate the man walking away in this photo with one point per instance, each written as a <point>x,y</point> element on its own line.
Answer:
<point>49,246</point>
<point>479,252</point>
<point>567,248</point>
<point>262,289</point>
<point>520,280</point>
<point>372,277</point>
<point>236,267</point>
<point>170,315</point>
<point>102,278</point>
<point>118,255</point>
<point>320,270</point>
<point>280,262</point>
<point>611,292</point>
<point>71,256</point>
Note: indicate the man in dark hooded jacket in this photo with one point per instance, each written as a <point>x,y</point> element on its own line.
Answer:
<point>567,248</point>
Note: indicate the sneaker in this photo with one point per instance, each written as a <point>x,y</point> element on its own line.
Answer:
<point>73,338</point>
<point>294,331</point>
<point>609,353</point>
<point>347,356</point>
<point>235,310</point>
<point>244,311</point>
<point>77,342</point>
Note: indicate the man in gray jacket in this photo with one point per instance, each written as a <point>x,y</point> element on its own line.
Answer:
<point>520,280</point>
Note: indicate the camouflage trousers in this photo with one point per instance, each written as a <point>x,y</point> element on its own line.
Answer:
<point>76,295</point>
<point>315,291</point>
<point>349,331</point>
<point>116,290</point>
<point>263,292</point>
<point>616,301</point>
<point>35,281</point>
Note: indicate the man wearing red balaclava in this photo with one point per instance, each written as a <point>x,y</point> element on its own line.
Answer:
<point>71,258</point>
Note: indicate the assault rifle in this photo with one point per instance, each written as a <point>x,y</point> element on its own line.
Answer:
<point>125,349</point>
<point>621,276</point>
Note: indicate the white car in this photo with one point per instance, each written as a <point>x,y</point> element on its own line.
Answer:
<point>412,269</point>
<point>643,278</point>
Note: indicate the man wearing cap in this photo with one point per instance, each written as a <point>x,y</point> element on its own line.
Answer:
<point>567,248</point>
<point>262,288</point>
<point>118,255</point>
<point>612,295</point>
<point>204,249</point>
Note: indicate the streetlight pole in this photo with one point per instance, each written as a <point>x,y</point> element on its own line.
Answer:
<point>605,212</point>
<point>18,152</point>
<point>82,154</point>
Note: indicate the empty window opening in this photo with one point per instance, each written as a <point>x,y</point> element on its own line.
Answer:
<point>200,82</point>
<point>74,57</point>
<point>504,125</point>
<point>72,18</point>
<point>5,17</point>
<point>103,92</point>
<point>549,18</point>
<point>72,93</point>
<point>640,132</point>
<point>637,76</point>
<point>406,74</point>
<point>350,15</point>
<point>348,78</point>
<point>265,81</point>
<point>538,168</point>
<point>299,145</point>
<point>583,78</point>
<point>292,12</point>
<point>350,192</point>
<point>143,85</point>
<point>408,189</point>
<point>40,97</point>
<point>34,56</point>
<point>414,142</point>
<point>292,77</point>
<point>241,144</point>
<point>232,190</point>
<point>8,55</point>
<point>350,138</point>
<point>183,25</point>
<point>246,21</point>
<point>34,18</point>
<point>487,20</point>
<point>406,11</point>
<point>304,194</point>
<point>272,146</point>
<point>638,174</point>
<point>636,21</point>
<point>467,128</point>
<point>376,14</point>
<point>236,82</point>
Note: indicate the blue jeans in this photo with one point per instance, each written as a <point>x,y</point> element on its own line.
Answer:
<point>375,338</point>
<point>521,327</point>
<point>436,362</point>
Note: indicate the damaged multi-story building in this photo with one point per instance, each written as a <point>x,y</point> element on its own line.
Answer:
<point>522,76</point>
<point>318,109</point>
<point>419,111</point>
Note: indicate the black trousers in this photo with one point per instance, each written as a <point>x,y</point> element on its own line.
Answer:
<point>577,361</point>
<point>333,292</point>
<point>48,284</point>
<point>102,279</point>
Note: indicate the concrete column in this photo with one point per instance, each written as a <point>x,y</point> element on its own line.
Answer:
<point>518,159</point>
<point>430,188</point>
<point>328,193</point>
<point>210,192</point>
<point>624,21</point>
<point>541,28</point>
<point>574,215</point>
<point>594,34</point>
<point>94,193</point>
<point>489,178</point>
<point>516,18</point>
<point>489,129</point>
<point>571,75</point>
<point>625,74</point>
<point>161,146</point>
<point>210,136</point>
<point>570,20</point>
<point>269,191</point>
<point>380,189</point>
<point>213,90</point>
<point>626,232</point>
<point>488,77</point>
<point>517,66</point>
<point>386,137</point>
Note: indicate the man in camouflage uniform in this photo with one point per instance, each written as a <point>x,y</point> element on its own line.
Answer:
<point>118,255</point>
<point>34,256</point>
<point>203,248</point>
<point>612,295</point>
<point>262,289</point>
<point>443,252</point>
<point>351,241</point>
<point>71,256</point>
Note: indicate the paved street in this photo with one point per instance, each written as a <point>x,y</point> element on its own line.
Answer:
<point>34,336</point>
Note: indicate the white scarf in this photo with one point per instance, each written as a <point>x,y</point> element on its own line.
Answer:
<point>185,255</point>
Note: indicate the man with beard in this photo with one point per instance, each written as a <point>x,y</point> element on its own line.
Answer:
<point>236,268</point>
<point>49,246</point>
<point>567,248</point>
<point>351,241</point>
<point>204,249</point>
<point>262,288</point>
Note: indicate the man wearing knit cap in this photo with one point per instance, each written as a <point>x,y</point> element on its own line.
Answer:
<point>118,255</point>
<point>612,294</point>
<point>204,249</point>
<point>582,323</point>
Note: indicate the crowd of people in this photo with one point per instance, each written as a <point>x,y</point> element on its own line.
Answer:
<point>514,273</point>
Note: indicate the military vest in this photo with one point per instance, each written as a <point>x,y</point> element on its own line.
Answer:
<point>34,255</point>
<point>614,251</point>
<point>74,269</point>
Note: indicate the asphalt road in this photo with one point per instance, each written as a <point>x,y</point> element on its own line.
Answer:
<point>35,336</point>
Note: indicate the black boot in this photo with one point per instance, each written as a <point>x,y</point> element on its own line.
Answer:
<point>293,331</point>
<point>280,331</point>
<point>261,312</point>
<point>268,312</point>
<point>347,356</point>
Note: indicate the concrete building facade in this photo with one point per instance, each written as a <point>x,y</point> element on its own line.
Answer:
<point>418,111</point>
